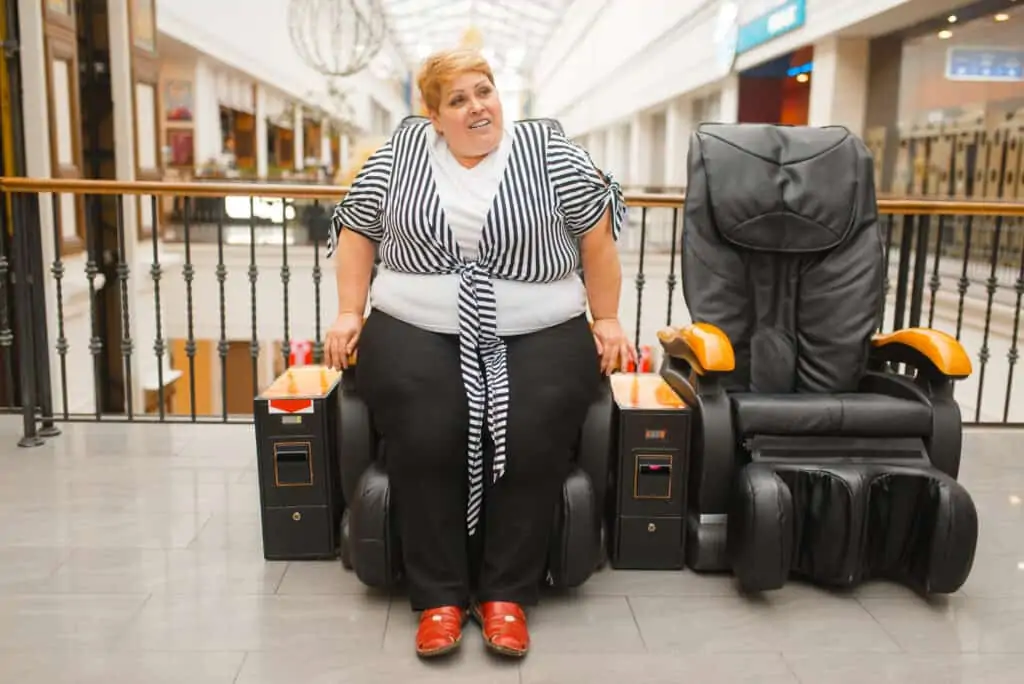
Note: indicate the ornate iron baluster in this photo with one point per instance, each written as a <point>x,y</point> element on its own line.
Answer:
<point>640,274</point>
<point>920,268</point>
<point>188,271</point>
<point>991,284</point>
<point>1013,355</point>
<point>671,282</point>
<point>126,330</point>
<point>935,282</point>
<point>222,344</point>
<point>159,347</point>
<point>286,347</point>
<point>254,343</point>
<point>964,282</point>
<point>95,341</point>
<point>318,345</point>
<point>58,271</point>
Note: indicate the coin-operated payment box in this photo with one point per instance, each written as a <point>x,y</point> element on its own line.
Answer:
<point>300,488</point>
<point>651,431</point>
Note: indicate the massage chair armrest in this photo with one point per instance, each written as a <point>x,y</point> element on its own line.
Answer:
<point>703,347</point>
<point>937,356</point>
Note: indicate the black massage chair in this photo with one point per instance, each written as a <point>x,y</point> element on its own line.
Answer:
<point>370,544</point>
<point>812,456</point>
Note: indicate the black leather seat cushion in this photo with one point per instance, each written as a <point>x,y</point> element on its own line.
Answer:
<point>841,415</point>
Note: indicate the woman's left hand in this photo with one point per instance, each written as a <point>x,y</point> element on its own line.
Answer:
<point>614,348</point>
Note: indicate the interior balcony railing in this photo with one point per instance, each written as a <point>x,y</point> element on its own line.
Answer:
<point>160,302</point>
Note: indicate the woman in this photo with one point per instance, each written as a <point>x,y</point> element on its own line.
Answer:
<point>477,339</point>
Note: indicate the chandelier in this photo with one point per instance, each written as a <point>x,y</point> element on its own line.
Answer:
<point>337,37</point>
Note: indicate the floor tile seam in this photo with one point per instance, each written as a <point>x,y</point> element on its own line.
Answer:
<point>117,641</point>
<point>280,580</point>
<point>636,623</point>
<point>199,533</point>
<point>791,669</point>
<point>241,667</point>
<point>889,635</point>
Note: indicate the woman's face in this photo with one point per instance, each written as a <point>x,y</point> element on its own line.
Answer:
<point>469,116</point>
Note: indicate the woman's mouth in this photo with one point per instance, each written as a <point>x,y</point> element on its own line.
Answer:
<point>483,123</point>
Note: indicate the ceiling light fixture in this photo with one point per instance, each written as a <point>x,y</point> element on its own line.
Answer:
<point>1002,16</point>
<point>951,19</point>
<point>802,78</point>
<point>945,34</point>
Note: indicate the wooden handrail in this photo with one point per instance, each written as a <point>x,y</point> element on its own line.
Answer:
<point>333,193</point>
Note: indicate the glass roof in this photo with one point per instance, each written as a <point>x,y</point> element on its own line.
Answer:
<point>510,32</point>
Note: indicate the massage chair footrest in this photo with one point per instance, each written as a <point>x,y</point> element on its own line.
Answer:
<point>841,524</point>
<point>371,545</point>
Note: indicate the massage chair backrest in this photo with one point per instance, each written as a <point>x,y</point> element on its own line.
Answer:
<point>782,250</point>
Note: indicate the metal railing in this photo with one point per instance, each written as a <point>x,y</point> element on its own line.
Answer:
<point>957,266</point>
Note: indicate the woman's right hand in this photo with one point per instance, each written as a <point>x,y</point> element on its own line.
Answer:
<point>342,338</point>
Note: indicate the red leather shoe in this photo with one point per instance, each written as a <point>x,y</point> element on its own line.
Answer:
<point>504,627</point>
<point>440,631</point>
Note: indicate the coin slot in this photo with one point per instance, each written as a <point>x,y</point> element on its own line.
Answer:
<point>293,464</point>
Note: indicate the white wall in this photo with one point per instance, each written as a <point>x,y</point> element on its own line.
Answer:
<point>612,58</point>
<point>256,42</point>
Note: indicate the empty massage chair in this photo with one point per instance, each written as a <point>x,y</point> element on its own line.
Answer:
<point>812,456</point>
<point>370,544</point>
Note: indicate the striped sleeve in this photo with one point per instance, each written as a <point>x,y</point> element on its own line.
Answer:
<point>362,208</point>
<point>583,190</point>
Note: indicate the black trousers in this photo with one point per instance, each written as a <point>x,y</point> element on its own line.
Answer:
<point>411,381</point>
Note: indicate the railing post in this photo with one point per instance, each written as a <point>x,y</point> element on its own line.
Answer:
<point>40,335</point>
<point>23,303</point>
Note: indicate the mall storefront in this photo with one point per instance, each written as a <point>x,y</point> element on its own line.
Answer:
<point>945,110</point>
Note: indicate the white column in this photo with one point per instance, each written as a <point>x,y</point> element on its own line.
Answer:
<point>344,150</point>
<point>207,115</point>
<point>260,110</point>
<point>729,100</point>
<point>638,150</point>
<point>299,139</point>
<point>611,162</point>
<point>678,125</point>
<point>326,155</point>
<point>597,148</point>
<point>839,83</point>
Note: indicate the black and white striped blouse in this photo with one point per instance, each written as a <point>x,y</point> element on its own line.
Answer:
<point>551,194</point>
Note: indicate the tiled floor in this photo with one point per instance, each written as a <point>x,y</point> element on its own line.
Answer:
<point>132,554</point>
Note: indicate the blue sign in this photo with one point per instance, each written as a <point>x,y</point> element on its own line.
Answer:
<point>984,64</point>
<point>770,25</point>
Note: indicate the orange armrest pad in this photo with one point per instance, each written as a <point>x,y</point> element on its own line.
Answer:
<point>943,350</point>
<point>703,345</point>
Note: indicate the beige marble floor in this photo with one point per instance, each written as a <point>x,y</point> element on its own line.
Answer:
<point>132,554</point>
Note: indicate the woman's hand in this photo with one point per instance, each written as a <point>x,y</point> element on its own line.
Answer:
<point>614,348</point>
<point>342,338</point>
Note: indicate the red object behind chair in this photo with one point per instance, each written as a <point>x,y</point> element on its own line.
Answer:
<point>646,359</point>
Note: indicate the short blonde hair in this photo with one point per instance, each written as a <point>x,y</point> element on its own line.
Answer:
<point>441,68</point>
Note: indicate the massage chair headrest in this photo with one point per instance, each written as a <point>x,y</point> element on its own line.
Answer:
<point>780,188</point>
